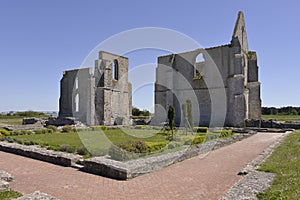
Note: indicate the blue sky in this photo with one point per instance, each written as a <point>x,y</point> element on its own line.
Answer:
<point>40,39</point>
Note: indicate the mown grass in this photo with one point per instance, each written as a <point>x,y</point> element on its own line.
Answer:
<point>282,117</point>
<point>10,194</point>
<point>285,163</point>
<point>10,120</point>
<point>97,142</point>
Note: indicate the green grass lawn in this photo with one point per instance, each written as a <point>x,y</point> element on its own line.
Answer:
<point>282,117</point>
<point>97,142</point>
<point>11,121</point>
<point>285,163</point>
<point>10,194</point>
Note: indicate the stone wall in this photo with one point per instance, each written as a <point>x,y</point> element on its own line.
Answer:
<point>36,152</point>
<point>76,95</point>
<point>237,93</point>
<point>130,169</point>
<point>272,124</point>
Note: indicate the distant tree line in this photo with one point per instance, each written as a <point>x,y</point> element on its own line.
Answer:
<point>137,112</point>
<point>289,110</point>
<point>26,114</point>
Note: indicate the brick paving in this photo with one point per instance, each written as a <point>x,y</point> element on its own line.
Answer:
<point>206,177</point>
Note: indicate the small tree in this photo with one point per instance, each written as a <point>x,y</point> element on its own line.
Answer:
<point>190,113</point>
<point>185,117</point>
<point>294,112</point>
<point>171,117</point>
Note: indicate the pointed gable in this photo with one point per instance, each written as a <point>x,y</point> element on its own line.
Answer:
<point>240,31</point>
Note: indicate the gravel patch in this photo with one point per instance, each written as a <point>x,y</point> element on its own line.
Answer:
<point>254,181</point>
<point>36,196</point>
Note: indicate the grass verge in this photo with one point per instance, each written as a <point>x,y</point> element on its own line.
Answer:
<point>285,163</point>
<point>10,194</point>
<point>282,117</point>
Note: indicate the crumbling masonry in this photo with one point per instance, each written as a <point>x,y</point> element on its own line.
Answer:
<point>239,73</point>
<point>100,95</point>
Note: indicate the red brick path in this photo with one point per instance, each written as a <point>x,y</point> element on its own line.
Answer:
<point>197,178</point>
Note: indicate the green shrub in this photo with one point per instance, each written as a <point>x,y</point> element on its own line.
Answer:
<point>212,136</point>
<point>67,129</point>
<point>154,146</point>
<point>198,139</point>
<point>120,154</point>
<point>2,138</point>
<point>173,145</point>
<point>4,132</point>
<point>200,129</point>
<point>67,148</point>
<point>82,150</point>
<point>41,131</point>
<point>1,135</point>
<point>71,149</point>
<point>98,128</point>
<point>15,132</point>
<point>54,148</point>
<point>53,128</point>
<point>63,147</point>
<point>19,141</point>
<point>135,146</point>
<point>224,133</point>
<point>9,139</point>
<point>187,140</point>
<point>48,130</point>
<point>26,142</point>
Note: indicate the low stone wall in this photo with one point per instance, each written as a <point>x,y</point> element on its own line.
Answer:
<point>37,152</point>
<point>130,169</point>
<point>272,124</point>
<point>60,121</point>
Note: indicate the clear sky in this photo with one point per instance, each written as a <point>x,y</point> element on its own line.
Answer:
<point>40,39</point>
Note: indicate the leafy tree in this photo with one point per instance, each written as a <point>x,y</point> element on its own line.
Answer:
<point>137,112</point>
<point>294,112</point>
<point>171,117</point>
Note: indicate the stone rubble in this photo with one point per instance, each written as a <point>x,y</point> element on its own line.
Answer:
<point>37,195</point>
<point>5,178</point>
<point>37,152</point>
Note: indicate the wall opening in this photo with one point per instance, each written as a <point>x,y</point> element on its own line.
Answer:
<point>199,65</point>
<point>115,69</point>
<point>76,83</point>
<point>77,103</point>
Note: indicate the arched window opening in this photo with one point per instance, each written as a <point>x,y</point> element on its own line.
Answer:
<point>76,83</point>
<point>115,69</point>
<point>77,103</point>
<point>199,65</point>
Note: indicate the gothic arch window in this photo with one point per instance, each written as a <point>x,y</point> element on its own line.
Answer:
<point>198,67</point>
<point>115,69</point>
<point>77,103</point>
<point>76,83</point>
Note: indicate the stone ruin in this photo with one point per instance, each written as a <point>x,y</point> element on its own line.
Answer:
<point>178,76</point>
<point>102,95</point>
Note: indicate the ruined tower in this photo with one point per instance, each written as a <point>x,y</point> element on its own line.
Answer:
<point>190,75</point>
<point>100,95</point>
